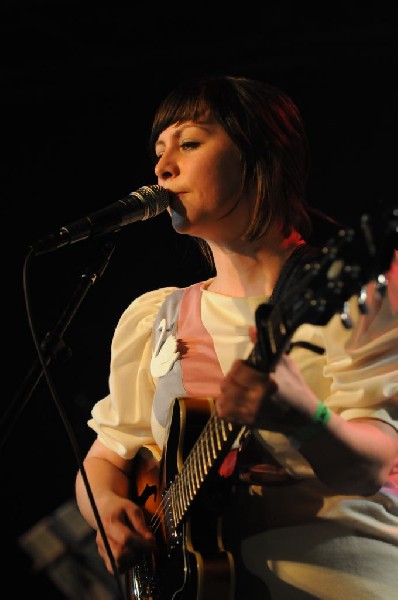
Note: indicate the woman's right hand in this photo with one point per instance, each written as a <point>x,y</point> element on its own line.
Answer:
<point>125,530</point>
<point>123,521</point>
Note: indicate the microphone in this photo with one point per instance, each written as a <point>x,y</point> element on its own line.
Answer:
<point>145,203</point>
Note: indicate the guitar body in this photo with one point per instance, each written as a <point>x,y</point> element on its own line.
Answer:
<point>190,562</point>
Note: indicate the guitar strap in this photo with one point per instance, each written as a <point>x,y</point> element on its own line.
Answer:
<point>256,465</point>
<point>291,271</point>
<point>291,274</point>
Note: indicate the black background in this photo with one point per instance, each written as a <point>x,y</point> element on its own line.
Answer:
<point>79,84</point>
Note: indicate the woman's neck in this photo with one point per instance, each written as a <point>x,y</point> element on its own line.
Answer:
<point>253,268</point>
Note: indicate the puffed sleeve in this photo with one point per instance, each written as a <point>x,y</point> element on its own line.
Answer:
<point>122,419</point>
<point>363,363</point>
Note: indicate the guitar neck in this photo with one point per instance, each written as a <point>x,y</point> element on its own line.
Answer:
<point>207,454</point>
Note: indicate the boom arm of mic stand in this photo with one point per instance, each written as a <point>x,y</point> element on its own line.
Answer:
<point>53,341</point>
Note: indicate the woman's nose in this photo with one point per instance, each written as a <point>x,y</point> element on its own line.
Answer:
<point>166,167</point>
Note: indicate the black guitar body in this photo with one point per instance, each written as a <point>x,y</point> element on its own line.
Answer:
<point>190,562</point>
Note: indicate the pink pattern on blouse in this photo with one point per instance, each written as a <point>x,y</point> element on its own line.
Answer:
<point>201,370</point>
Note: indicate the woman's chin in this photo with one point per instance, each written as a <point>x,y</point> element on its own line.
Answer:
<point>179,222</point>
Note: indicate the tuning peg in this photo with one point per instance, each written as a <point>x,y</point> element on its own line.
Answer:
<point>346,317</point>
<point>381,285</point>
<point>362,301</point>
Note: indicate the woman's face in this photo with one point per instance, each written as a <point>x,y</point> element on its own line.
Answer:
<point>201,166</point>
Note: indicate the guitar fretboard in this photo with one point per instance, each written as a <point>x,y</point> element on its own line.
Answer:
<point>207,453</point>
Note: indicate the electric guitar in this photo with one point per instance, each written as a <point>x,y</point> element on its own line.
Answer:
<point>181,490</point>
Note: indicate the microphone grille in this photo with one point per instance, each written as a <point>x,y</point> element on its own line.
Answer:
<point>154,198</point>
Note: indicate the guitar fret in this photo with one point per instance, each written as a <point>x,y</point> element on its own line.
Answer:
<point>179,500</point>
<point>184,500</point>
<point>207,448</point>
<point>184,493</point>
<point>223,430</point>
<point>182,497</point>
<point>200,469</point>
<point>196,473</point>
<point>199,465</point>
<point>189,484</point>
<point>192,465</point>
<point>190,478</point>
<point>218,437</point>
<point>213,447</point>
<point>191,488</point>
<point>203,456</point>
<point>187,494</point>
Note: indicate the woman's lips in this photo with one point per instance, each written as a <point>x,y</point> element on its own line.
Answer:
<point>175,199</point>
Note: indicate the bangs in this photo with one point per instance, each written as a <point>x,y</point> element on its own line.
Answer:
<point>189,102</point>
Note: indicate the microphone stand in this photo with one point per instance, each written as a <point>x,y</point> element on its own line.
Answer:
<point>50,347</point>
<point>53,344</point>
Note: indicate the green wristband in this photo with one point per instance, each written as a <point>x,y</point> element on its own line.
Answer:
<point>319,421</point>
<point>322,415</point>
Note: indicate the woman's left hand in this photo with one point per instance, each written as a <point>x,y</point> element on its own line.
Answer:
<point>278,401</point>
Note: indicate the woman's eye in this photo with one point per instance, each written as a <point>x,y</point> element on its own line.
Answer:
<point>189,144</point>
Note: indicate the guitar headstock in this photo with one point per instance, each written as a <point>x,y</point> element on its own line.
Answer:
<point>350,259</point>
